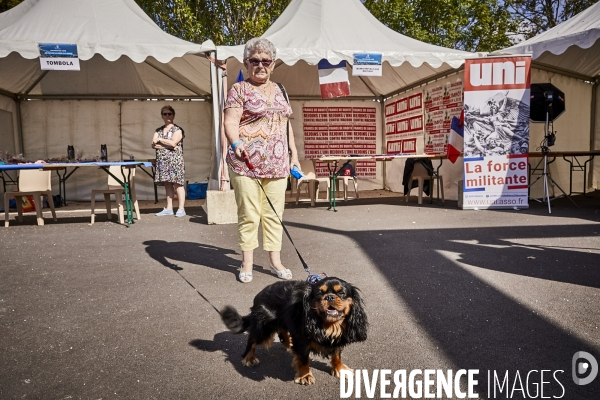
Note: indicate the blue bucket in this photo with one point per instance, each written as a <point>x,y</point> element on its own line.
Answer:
<point>196,191</point>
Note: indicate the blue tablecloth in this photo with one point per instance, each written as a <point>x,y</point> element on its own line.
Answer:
<point>9,167</point>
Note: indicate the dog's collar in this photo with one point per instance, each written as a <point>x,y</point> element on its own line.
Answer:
<point>312,278</point>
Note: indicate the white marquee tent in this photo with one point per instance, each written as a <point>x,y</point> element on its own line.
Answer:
<point>568,56</point>
<point>571,46</point>
<point>310,30</point>
<point>125,58</point>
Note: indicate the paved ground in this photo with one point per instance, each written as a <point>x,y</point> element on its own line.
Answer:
<point>96,312</point>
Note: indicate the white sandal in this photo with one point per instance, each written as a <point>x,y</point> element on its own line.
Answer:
<point>284,274</point>
<point>245,277</point>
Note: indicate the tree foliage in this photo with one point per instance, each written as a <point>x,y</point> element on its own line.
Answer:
<point>225,22</point>
<point>232,22</point>
<point>471,25</point>
<point>6,5</point>
<point>181,18</point>
<point>537,16</point>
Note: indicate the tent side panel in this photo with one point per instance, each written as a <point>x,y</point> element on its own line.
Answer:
<point>8,125</point>
<point>572,129</point>
<point>49,126</point>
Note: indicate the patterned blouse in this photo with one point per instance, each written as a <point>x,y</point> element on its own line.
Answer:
<point>263,131</point>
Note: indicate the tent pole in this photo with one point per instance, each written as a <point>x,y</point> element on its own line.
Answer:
<point>593,114</point>
<point>7,94</point>
<point>383,146</point>
<point>368,85</point>
<point>215,170</point>
<point>593,128</point>
<point>39,78</point>
<point>121,128</point>
<point>222,86</point>
<point>19,125</point>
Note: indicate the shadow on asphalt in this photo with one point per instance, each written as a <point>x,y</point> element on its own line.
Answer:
<point>191,253</point>
<point>475,324</point>
<point>31,219</point>
<point>275,362</point>
<point>196,254</point>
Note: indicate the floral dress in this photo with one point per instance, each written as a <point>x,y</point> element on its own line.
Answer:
<point>169,162</point>
<point>263,131</point>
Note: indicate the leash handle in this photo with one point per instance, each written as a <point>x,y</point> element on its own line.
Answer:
<point>248,163</point>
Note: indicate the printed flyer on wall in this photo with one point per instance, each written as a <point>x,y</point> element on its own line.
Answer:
<point>496,132</point>
<point>442,102</point>
<point>404,124</point>
<point>341,131</point>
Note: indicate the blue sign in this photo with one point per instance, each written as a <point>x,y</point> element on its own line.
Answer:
<point>367,58</point>
<point>367,64</point>
<point>57,50</point>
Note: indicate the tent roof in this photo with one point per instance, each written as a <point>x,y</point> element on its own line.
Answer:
<point>572,45</point>
<point>154,62</point>
<point>312,30</point>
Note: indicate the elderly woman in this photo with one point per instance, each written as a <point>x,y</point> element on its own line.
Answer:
<point>168,143</point>
<point>256,125</point>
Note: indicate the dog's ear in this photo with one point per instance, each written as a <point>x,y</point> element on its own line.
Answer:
<point>356,322</point>
<point>313,325</point>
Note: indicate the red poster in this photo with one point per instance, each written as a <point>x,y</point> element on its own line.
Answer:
<point>341,131</point>
<point>496,132</point>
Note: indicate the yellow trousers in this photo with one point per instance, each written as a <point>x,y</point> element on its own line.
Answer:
<point>254,209</point>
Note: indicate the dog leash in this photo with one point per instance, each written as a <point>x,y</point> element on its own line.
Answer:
<point>197,291</point>
<point>312,278</point>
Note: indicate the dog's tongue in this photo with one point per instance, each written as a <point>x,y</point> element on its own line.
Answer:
<point>332,312</point>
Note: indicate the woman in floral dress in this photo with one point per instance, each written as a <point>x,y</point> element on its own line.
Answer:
<point>168,142</point>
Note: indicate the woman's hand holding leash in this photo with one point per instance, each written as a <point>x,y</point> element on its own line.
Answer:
<point>238,149</point>
<point>246,159</point>
<point>241,153</point>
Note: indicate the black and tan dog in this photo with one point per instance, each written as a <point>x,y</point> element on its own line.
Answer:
<point>320,318</point>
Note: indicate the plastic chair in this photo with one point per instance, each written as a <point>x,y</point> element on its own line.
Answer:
<point>34,183</point>
<point>346,179</point>
<point>117,190</point>
<point>309,179</point>
<point>420,173</point>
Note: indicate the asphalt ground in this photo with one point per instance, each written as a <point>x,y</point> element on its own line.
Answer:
<point>103,312</point>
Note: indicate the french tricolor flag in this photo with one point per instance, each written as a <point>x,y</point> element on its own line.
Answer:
<point>333,79</point>
<point>456,142</point>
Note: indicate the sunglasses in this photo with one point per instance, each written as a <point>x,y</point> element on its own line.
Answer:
<point>167,114</point>
<point>255,62</point>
